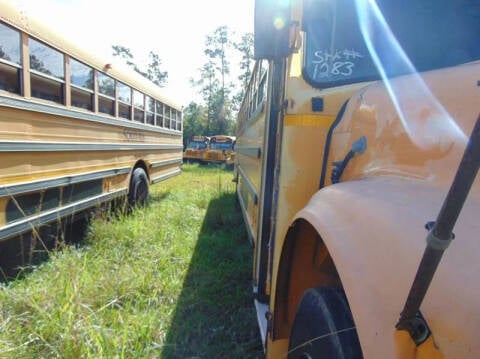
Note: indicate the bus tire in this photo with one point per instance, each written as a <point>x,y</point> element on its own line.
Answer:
<point>138,190</point>
<point>321,311</point>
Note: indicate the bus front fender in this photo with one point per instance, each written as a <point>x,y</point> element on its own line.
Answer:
<point>374,232</point>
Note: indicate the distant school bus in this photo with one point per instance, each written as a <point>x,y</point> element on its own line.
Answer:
<point>75,131</point>
<point>220,150</point>
<point>351,151</point>
<point>196,148</point>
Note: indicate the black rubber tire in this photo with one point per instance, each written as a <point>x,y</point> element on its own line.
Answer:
<point>138,191</point>
<point>321,311</point>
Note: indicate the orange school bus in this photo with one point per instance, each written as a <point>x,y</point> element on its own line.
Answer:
<point>196,148</point>
<point>358,139</point>
<point>220,150</point>
<point>75,131</point>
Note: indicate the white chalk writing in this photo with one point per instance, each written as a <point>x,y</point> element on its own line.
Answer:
<point>335,63</point>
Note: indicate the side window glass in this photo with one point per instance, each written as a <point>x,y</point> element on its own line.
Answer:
<point>179,120</point>
<point>150,109</point>
<point>106,85</point>
<point>46,60</point>
<point>10,62</point>
<point>167,117</point>
<point>124,100</point>
<point>106,94</point>
<point>81,75</point>
<point>81,79</point>
<point>139,105</point>
<point>47,72</point>
<point>159,114</point>
<point>124,93</point>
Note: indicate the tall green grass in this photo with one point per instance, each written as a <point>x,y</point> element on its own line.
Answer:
<point>168,281</point>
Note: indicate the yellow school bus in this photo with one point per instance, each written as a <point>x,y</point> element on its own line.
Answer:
<point>196,148</point>
<point>220,150</point>
<point>351,151</point>
<point>75,131</point>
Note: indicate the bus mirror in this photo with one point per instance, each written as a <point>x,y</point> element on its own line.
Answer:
<point>272,29</point>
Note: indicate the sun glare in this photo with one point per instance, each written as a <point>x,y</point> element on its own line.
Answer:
<point>439,128</point>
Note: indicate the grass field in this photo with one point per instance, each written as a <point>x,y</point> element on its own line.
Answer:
<point>168,281</point>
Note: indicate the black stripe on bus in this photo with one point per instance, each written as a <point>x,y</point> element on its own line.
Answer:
<point>10,190</point>
<point>51,110</point>
<point>15,146</point>
<point>166,176</point>
<point>26,205</point>
<point>28,224</point>
<point>165,163</point>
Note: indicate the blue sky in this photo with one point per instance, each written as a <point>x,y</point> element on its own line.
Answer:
<point>176,30</point>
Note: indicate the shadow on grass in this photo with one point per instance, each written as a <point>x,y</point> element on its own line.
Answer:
<point>215,316</point>
<point>158,196</point>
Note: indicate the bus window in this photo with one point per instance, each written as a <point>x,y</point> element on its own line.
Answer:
<point>124,100</point>
<point>335,54</point>
<point>139,106</point>
<point>9,59</point>
<point>150,109</point>
<point>106,95</point>
<point>167,117</point>
<point>81,79</point>
<point>47,73</point>
<point>174,119</point>
<point>159,111</point>
<point>179,121</point>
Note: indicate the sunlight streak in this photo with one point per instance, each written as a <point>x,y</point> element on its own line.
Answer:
<point>426,121</point>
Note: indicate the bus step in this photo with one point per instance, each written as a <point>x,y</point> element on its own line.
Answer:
<point>262,310</point>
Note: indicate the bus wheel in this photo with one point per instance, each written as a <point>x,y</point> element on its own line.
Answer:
<point>324,327</point>
<point>138,191</point>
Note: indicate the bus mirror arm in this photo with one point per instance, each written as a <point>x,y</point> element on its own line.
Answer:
<point>358,147</point>
<point>439,237</point>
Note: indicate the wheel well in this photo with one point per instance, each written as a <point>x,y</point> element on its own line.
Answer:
<point>143,165</point>
<point>305,263</point>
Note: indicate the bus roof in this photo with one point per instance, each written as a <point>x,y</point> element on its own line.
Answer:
<point>199,138</point>
<point>223,138</point>
<point>12,16</point>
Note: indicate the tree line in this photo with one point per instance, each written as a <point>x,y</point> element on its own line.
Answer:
<point>221,95</point>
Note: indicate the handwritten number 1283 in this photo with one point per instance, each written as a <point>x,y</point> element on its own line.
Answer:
<point>338,68</point>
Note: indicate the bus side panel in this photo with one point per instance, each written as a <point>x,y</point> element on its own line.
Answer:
<point>40,152</point>
<point>249,163</point>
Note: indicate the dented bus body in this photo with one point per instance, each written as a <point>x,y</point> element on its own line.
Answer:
<point>351,132</point>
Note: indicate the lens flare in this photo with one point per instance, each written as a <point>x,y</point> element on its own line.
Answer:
<point>279,23</point>
<point>413,101</point>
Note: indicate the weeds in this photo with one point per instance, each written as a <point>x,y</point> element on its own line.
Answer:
<point>171,280</point>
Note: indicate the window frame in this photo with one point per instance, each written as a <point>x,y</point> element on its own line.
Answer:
<point>136,108</point>
<point>57,79</point>
<point>81,89</point>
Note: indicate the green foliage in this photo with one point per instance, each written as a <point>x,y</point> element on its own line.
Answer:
<point>221,96</point>
<point>124,53</point>
<point>194,121</point>
<point>153,72</point>
<point>168,281</point>
<point>245,47</point>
